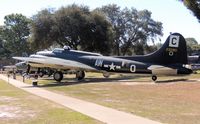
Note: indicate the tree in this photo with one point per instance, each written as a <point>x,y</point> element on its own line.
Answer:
<point>192,45</point>
<point>114,15</point>
<point>74,26</point>
<point>3,52</point>
<point>70,21</point>
<point>194,6</point>
<point>98,34</point>
<point>191,41</point>
<point>132,28</point>
<point>15,33</point>
<point>42,30</point>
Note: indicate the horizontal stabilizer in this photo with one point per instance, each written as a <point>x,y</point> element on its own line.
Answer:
<point>162,70</point>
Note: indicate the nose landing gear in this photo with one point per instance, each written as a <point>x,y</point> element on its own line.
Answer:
<point>80,75</point>
<point>154,77</point>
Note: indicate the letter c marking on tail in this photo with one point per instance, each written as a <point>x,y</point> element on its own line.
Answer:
<point>174,41</point>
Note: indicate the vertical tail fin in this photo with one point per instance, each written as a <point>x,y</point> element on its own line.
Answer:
<point>173,51</point>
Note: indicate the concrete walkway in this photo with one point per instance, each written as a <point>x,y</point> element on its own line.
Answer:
<point>98,112</point>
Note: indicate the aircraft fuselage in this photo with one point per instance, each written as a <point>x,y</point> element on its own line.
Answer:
<point>96,62</point>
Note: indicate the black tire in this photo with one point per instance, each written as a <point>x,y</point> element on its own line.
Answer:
<point>58,76</point>
<point>106,75</point>
<point>80,75</point>
<point>154,78</point>
<point>41,74</point>
<point>36,76</point>
<point>34,83</point>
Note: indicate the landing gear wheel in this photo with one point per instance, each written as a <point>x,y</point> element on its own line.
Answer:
<point>36,76</point>
<point>80,75</point>
<point>41,74</point>
<point>106,75</point>
<point>58,76</point>
<point>154,78</point>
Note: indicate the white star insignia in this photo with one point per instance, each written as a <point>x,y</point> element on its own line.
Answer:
<point>112,66</point>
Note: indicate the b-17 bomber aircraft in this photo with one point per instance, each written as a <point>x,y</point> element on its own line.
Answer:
<point>170,59</point>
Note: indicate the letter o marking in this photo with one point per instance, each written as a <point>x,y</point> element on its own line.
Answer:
<point>171,53</point>
<point>132,68</point>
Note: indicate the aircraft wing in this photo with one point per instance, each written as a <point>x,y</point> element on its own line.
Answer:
<point>56,63</point>
<point>159,70</point>
<point>10,67</point>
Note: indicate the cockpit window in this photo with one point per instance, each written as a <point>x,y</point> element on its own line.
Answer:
<point>67,48</point>
<point>58,50</point>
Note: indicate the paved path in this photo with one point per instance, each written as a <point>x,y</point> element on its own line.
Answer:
<point>101,113</point>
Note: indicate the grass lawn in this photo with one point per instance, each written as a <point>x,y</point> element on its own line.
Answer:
<point>20,107</point>
<point>165,101</point>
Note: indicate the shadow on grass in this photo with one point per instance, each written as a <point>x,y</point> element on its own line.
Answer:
<point>100,80</point>
<point>120,79</point>
<point>71,81</point>
<point>172,80</point>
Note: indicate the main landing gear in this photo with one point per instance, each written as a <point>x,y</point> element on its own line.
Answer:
<point>80,75</point>
<point>28,68</point>
<point>106,74</point>
<point>154,77</point>
<point>40,72</point>
<point>58,76</point>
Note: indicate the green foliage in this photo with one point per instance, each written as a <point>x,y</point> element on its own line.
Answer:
<point>150,48</point>
<point>14,34</point>
<point>70,23</point>
<point>191,41</point>
<point>194,6</point>
<point>3,51</point>
<point>98,37</point>
<point>192,45</point>
<point>131,28</point>
<point>41,30</point>
<point>74,26</point>
<point>126,30</point>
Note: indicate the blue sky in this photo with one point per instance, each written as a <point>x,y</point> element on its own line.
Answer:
<point>173,14</point>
